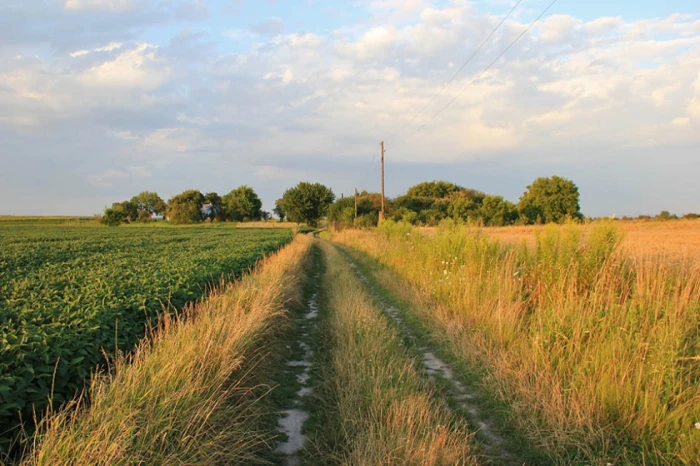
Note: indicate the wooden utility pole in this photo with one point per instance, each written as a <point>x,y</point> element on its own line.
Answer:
<point>382,213</point>
<point>354,223</point>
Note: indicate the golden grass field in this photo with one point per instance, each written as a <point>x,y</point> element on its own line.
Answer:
<point>590,333</point>
<point>678,239</point>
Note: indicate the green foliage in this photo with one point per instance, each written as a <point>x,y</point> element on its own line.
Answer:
<point>186,207</point>
<point>242,205</point>
<point>342,211</point>
<point>434,189</point>
<point>149,202</point>
<point>550,200</point>
<point>496,211</point>
<point>465,204</point>
<point>214,207</point>
<point>279,210</point>
<point>69,293</point>
<point>307,202</point>
<point>113,216</point>
<point>666,215</point>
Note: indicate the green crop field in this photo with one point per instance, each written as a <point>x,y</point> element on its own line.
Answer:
<point>68,293</point>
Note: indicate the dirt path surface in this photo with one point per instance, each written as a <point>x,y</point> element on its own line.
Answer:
<point>292,419</point>
<point>446,384</point>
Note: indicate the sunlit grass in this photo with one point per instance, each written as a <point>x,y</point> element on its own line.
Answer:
<point>184,396</point>
<point>595,349</point>
<point>378,408</point>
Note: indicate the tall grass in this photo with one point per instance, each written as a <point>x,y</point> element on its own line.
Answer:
<point>596,353</point>
<point>184,396</point>
<point>378,408</point>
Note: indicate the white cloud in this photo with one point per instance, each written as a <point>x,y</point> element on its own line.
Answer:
<point>107,178</point>
<point>137,68</point>
<point>570,87</point>
<point>105,5</point>
<point>694,106</point>
<point>109,47</point>
<point>79,53</point>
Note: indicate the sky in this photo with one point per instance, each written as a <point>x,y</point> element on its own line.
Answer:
<point>103,99</point>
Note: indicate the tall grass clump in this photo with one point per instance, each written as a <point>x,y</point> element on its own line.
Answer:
<point>597,353</point>
<point>184,396</point>
<point>380,409</point>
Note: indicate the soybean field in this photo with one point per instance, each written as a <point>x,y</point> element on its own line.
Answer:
<point>69,295</point>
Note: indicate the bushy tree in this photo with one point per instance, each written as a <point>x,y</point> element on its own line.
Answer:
<point>113,216</point>
<point>213,207</point>
<point>242,205</point>
<point>120,212</point>
<point>307,202</point>
<point>149,202</point>
<point>342,211</point>
<point>434,189</point>
<point>279,210</point>
<point>665,215</point>
<point>496,211</point>
<point>465,204</point>
<point>186,207</point>
<point>548,200</point>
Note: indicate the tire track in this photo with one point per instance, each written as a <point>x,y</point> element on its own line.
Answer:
<point>291,421</point>
<point>493,444</point>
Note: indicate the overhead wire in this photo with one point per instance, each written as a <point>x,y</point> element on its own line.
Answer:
<point>454,76</point>
<point>484,71</point>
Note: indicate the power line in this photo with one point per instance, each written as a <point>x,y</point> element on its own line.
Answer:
<point>454,76</point>
<point>483,72</point>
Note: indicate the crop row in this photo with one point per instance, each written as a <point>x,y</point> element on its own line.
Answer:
<point>69,294</point>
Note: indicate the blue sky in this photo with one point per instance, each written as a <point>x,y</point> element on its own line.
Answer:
<point>102,99</point>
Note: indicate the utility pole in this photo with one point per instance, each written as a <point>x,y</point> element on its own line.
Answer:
<point>354,223</point>
<point>382,213</point>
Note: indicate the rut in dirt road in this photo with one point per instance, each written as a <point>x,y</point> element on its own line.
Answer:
<point>492,443</point>
<point>291,421</point>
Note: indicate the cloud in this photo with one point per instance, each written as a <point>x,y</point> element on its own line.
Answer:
<point>694,106</point>
<point>136,88</point>
<point>108,178</point>
<point>105,5</point>
<point>271,27</point>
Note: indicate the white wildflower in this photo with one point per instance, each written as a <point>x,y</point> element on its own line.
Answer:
<point>697,425</point>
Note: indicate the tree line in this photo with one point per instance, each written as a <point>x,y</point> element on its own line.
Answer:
<point>554,199</point>
<point>546,200</point>
<point>304,203</point>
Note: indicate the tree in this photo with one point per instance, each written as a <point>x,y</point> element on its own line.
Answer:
<point>369,204</point>
<point>279,210</point>
<point>213,207</point>
<point>149,202</point>
<point>242,204</point>
<point>465,204</point>
<point>120,212</point>
<point>307,202</point>
<point>113,216</point>
<point>548,200</point>
<point>186,207</point>
<point>434,189</point>
<point>496,211</point>
<point>666,215</point>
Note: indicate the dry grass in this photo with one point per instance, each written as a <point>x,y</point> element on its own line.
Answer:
<point>383,410</point>
<point>595,351</point>
<point>269,224</point>
<point>678,239</point>
<point>183,397</point>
